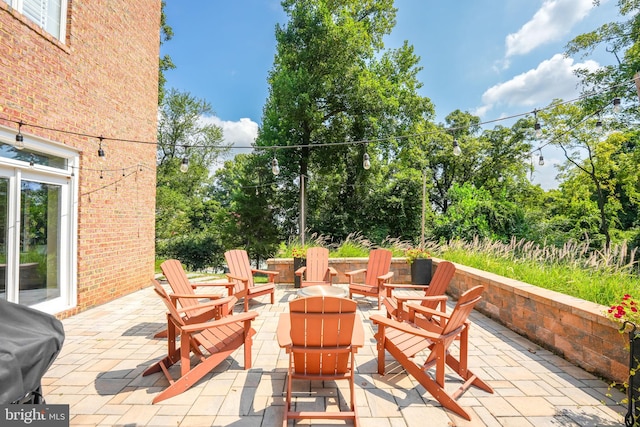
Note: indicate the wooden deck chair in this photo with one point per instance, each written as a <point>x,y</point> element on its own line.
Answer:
<point>211,342</point>
<point>183,292</point>
<point>375,275</point>
<point>434,294</point>
<point>241,275</point>
<point>317,270</point>
<point>321,334</point>
<point>404,340</point>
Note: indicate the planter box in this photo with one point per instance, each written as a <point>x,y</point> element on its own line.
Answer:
<point>421,271</point>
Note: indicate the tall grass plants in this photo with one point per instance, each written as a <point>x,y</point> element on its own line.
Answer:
<point>575,269</point>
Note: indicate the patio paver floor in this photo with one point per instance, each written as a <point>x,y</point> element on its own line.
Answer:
<point>99,374</point>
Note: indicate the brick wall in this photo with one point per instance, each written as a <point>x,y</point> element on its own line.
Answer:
<point>102,80</point>
<point>571,327</point>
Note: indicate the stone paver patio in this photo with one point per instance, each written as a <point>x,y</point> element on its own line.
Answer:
<point>99,374</point>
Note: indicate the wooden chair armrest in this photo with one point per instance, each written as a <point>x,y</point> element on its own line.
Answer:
<point>422,298</point>
<point>333,271</point>
<point>267,272</point>
<point>211,304</point>
<point>357,338</point>
<point>424,310</point>
<point>174,297</point>
<point>382,321</point>
<point>386,276</point>
<point>351,274</point>
<point>272,274</point>
<point>402,286</point>
<point>283,332</point>
<point>227,285</point>
<point>354,272</point>
<point>243,279</point>
<point>300,271</point>
<point>197,285</point>
<point>241,317</point>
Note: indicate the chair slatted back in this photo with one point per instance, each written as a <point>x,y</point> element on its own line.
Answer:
<point>317,264</point>
<point>179,282</point>
<point>321,334</point>
<point>456,322</point>
<point>157,287</point>
<point>379,263</point>
<point>239,266</point>
<point>439,282</point>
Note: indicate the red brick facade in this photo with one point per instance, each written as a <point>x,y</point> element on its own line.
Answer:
<point>101,80</point>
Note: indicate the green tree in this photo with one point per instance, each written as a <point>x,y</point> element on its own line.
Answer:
<point>185,211</point>
<point>245,188</point>
<point>333,83</point>
<point>598,169</point>
<point>165,63</point>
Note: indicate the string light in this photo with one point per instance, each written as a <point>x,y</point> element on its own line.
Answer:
<point>100,150</point>
<point>616,105</point>
<point>184,166</point>
<point>19,138</point>
<point>366,163</point>
<point>536,126</point>
<point>541,159</point>
<point>599,129</point>
<point>275,168</point>
<point>456,148</point>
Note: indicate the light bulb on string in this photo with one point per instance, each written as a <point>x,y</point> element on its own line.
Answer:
<point>537,127</point>
<point>100,150</point>
<point>275,168</point>
<point>456,148</point>
<point>541,159</point>
<point>616,105</point>
<point>599,129</point>
<point>19,138</point>
<point>184,166</point>
<point>366,162</point>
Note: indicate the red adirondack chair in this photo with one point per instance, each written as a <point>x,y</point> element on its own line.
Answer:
<point>375,275</point>
<point>211,343</point>
<point>241,275</point>
<point>317,270</point>
<point>321,334</point>
<point>434,294</point>
<point>404,341</point>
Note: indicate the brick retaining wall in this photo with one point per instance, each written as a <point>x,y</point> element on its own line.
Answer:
<point>570,327</point>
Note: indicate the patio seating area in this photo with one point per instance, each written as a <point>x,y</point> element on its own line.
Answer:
<point>107,349</point>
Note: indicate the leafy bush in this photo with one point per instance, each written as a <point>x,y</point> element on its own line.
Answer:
<point>196,252</point>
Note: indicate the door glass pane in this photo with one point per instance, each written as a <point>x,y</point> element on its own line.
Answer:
<point>39,242</point>
<point>4,204</point>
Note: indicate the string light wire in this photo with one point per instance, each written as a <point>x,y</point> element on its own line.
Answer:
<point>332,144</point>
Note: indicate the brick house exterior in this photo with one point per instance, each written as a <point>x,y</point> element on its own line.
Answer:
<point>99,78</point>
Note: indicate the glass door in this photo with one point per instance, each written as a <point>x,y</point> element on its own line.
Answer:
<point>40,213</point>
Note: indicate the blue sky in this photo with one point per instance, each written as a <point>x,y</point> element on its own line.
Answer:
<point>493,58</point>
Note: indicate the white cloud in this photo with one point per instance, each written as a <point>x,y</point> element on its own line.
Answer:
<point>553,78</point>
<point>550,23</point>
<point>240,134</point>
